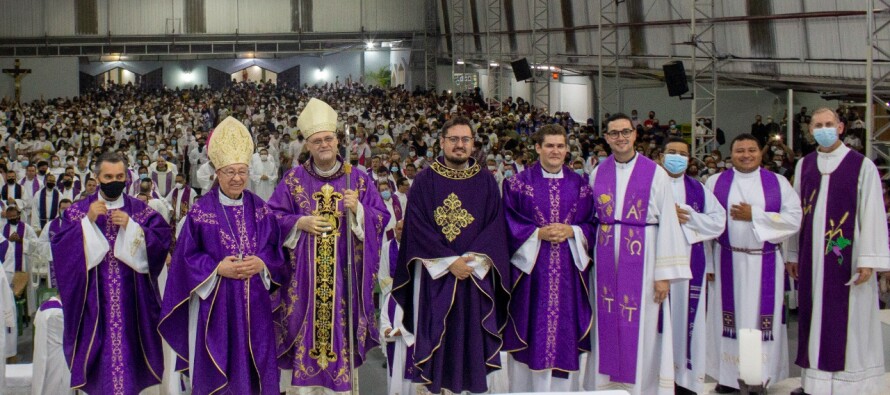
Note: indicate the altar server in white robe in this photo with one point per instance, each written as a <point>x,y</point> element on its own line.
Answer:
<point>394,336</point>
<point>17,249</point>
<point>51,374</point>
<point>646,231</point>
<point>841,350</point>
<point>702,219</point>
<point>8,326</point>
<point>264,174</point>
<point>763,211</point>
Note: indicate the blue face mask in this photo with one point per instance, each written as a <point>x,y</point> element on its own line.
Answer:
<point>675,164</point>
<point>143,175</point>
<point>508,173</point>
<point>600,159</point>
<point>386,195</point>
<point>826,137</point>
<point>579,171</point>
<point>394,169</point>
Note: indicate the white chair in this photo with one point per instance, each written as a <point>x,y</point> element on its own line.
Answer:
<point>51,374</point>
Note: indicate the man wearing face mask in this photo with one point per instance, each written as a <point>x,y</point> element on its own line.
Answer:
<point>11,191</point>
<point>394,206</point>
<point>45,205</point>
<point>17,250</point>
<point>180,199</point>
<point>702,218</point>
<point>842,198</point>
<point>197,157</point>
<point>162,173</point>
<point>111,248</point>
<point>263,174</point>
<point>44,252</point>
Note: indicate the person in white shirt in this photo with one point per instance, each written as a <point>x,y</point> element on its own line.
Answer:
<point>263,174</point>
<point>45,204</point>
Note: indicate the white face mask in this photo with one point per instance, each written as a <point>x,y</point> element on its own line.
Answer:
<point>264,157</point>
<point>180,185</point>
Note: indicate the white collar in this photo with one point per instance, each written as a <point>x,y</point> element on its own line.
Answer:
<point>548,174</point>
<point>627,165</point>
<point>839,152</point>
<point>752,174</point>
<point>227,201</point>
<point>111,205</point>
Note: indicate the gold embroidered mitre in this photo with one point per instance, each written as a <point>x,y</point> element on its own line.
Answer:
<point>230,144</point>
<point>318,116</point>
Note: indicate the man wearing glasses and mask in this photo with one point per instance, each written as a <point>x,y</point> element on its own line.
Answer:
<point>311,203</point>
<point>639,249</point>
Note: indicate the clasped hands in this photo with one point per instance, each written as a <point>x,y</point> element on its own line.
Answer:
<point>555,233</point>
<point>240,269</point>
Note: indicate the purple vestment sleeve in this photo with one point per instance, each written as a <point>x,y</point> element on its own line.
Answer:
<point>234,350</point>
<point>111,312</point>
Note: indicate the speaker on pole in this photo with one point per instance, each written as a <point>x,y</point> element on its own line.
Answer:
<point>521,69</point>
<point>675,78</point>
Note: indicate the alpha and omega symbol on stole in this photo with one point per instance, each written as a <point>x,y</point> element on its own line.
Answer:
<point>633,245</point>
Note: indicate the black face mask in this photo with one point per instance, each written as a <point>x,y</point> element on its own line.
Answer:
<point>13,221</point>
<point>67,183</point>
<point>113,190</point>
<point>10,181</point>
<point>42,172</point>
<point>50,185</point>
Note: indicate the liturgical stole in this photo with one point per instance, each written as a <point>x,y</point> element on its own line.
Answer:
<point>773,198</point>
<point>840,219</point>
<point>619,282</point>
<point>19,247</point>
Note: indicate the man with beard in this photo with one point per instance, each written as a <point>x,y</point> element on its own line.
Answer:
<point>452,277</point>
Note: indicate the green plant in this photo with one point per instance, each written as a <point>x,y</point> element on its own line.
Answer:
<point>381,77</point>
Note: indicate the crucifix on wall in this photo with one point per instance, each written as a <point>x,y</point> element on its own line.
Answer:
<point>17,73</point>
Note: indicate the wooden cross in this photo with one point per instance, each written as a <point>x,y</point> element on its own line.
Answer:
<point>18,73</point>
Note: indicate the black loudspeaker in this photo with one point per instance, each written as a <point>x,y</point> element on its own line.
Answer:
<point>675,78</point>
<point>521,69</point>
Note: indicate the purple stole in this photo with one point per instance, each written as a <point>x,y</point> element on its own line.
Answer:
<point>773,198</point>
<point>35,184</point>
<point>840,219</point>
<point>16,191</point>
<point>53,211</point>
<point>168,176</point>
<point>619,287</point>
<point>695,198</point>
<point>77,187</point>
<point>19,247</point>
<point>397,210</point>
<point>51,303</point>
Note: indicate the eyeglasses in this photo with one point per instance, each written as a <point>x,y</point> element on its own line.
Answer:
<point>233,173</point>
<point>455,139</point>
<point>614,133</point>
<point>320,141</point>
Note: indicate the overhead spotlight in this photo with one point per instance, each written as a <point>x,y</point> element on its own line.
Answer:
<point>187,76</point>
<point>460,62</point>
<point>369,45</point>
<point>321,74</point>
<point>493,64</point>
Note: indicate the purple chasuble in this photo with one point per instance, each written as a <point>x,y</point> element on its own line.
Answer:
<point>619,279</point>
<point>19,248</point>
<point>235,351</point>
<point>550,311</point>
<point>313,329</point>
<point>773,198</point>
<point>452,212</point>
<point>840,220</point>
<point>111,312</point>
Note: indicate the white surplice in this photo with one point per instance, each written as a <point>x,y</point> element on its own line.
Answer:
<point>723,352</point>
<point>51,374</point>
<point>260,168</point>
<point>701,228</point>
<point>29,249</point>
<point>397,384</point>
<point>666,259</point>
<point>864,358</point>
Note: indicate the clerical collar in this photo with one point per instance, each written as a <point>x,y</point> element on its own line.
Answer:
<point>548,174</point>
<point>227,201</point>
<point>329,175</point>
<point>628,164</point>
<point>752,173</point>
<point>115,204</point>
<point>440,168</point>
<point>840,151</point>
